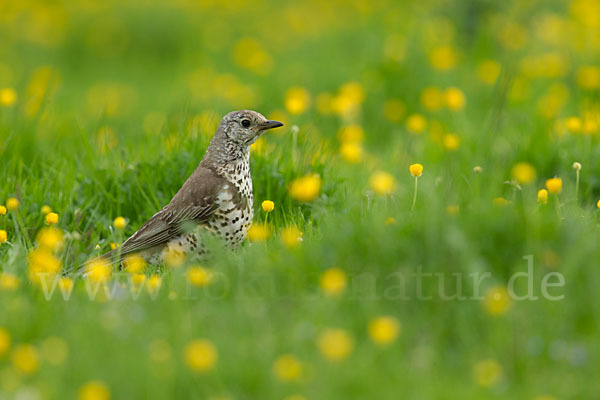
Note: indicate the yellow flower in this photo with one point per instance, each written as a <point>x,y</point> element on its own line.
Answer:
<point>333,281</point>
<point>113,245</point>
<point>8,281</point>
<point>99,271</point>
<point>542,196</point>
<point>523,173</point>
<point>384,330</point>
<point>2,210</point>
<point>306,188</point>
<point>50,239</point>
<point>496,300</point>
<point>55,350</point>
<point>351,134</point>
<point>200,355</point>
<point>12,204</point>
<point>390,221</point>
<point>46,210</point>
<point>52,218</point>
<point>432,98</point>
<point>65,284</point>
<point>287,368</point>
<point>416,123</point>
<point>3,236</point>
<point>8,97</point>
<point>335,344</point>
<point>588,77</point>
<point>500,202</point>
<point>154,283</point>
<point>451,142</point>
<point>268,205</point>
<point>488,71</point>
<point>393,110</point>
<point>250,54</point>
<point>258,233</point>
<point>297,100</point>
<point>416,169</point>
<point>351,152</point>
<point>4,341</point>
<point>93,390</point>
<point>138,279</point>
<point>598,204</point>
<point>291,236</point>
<point>573,124</point>
<point>134,263</point>
<point>43,266</point>
<point>382,182</point>
<point>454,98</point>
<point>477,169</point>
<point>443,58</point>
<point>554,185</point>
<point>487,373</point>
<point>199,276</point>
<point>25,359</point>
<point>119,223</point>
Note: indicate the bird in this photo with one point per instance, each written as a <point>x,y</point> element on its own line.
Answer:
<point>217,197</point>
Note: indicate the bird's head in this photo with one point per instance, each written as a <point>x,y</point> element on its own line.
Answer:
<point>245,127</point>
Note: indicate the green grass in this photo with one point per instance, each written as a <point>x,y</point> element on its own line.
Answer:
<point>159,76</point>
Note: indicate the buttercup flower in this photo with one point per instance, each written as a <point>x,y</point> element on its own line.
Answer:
<point>333,281</point>
<point>25,359</point>
<point>523,173</point>
<point>454,98</point>
<point>496,300</point>
<point>335,344</point>
<point>416,123</point>
<point>200,355</point>
<point>199,276</point>
<point>451,141</point>
<point>554,185</point>
<point>416,170</point>
<point>8,281</point>
<point>287,368</point>
<point>382,182</point>
<point>2,210</point>
<point>297,100</point>
<point>99,271</point>
<point>268,205</point>
<point>119,223</point>
<point>306,188</point>
<point>8,97</point>
<point>3,236</point>
<point>46,210</point>
<point>351,152</point>
<point>258,233</point>
<point>291,236</point>
<point>134,263</point>
<point>542,196</point>
<point>94,390</point>
<point>52,218</point>
<point>12,204</point>
<point>384,330</point>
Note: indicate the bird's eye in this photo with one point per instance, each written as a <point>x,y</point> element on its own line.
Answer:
<point>245,123</point>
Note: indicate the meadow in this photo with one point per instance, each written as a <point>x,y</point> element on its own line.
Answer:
<point>426,222</point>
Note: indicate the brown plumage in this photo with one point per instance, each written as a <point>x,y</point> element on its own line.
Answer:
<point>217,197</point>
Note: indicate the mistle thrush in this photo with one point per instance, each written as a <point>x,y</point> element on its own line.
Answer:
<point>216,198</point>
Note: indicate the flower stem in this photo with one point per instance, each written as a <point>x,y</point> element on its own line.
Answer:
<point>415,195</point>
<point>577,185</point>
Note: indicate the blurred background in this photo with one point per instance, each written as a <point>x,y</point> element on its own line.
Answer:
<point>107,106</point>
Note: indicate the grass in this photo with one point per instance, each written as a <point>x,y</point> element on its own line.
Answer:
<point>116,104</point>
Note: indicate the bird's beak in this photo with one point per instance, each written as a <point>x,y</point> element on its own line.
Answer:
<point>270,125</point>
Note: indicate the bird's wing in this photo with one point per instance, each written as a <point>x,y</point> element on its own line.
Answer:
<point>194,203</point>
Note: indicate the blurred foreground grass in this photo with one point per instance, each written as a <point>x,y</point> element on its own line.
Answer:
<point>107,107</point>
